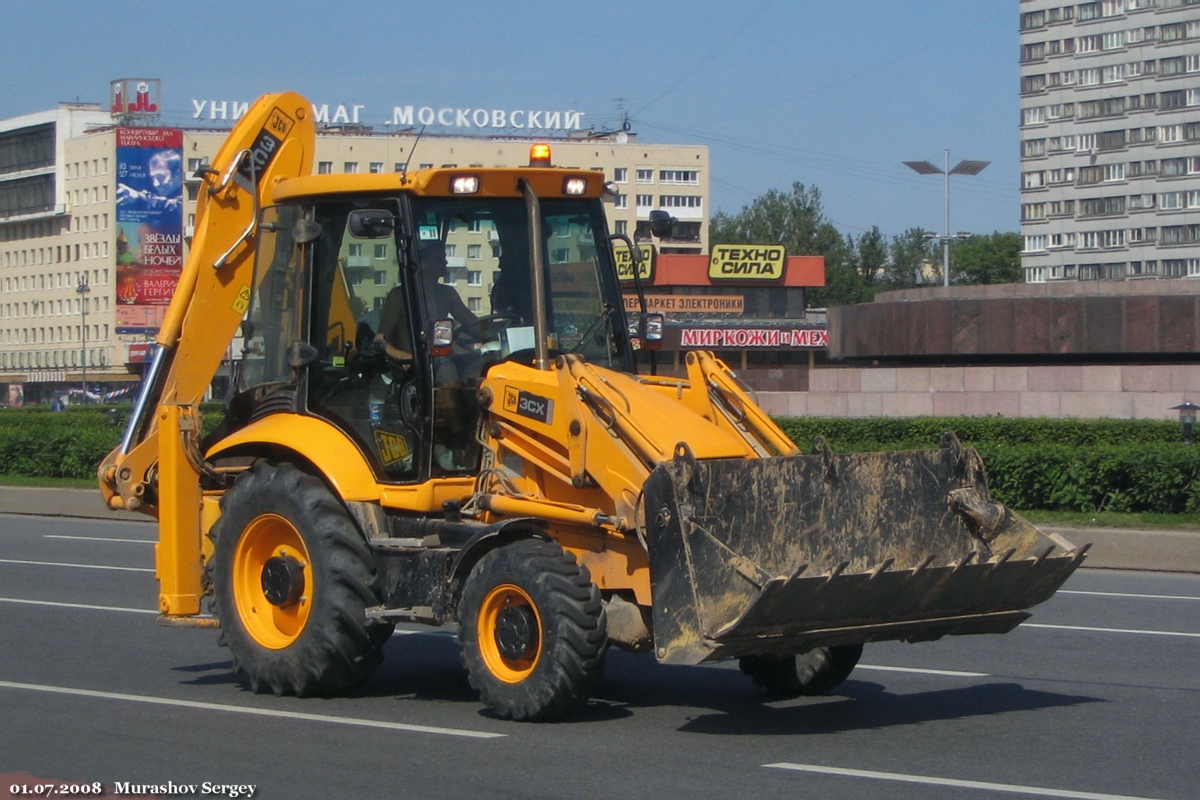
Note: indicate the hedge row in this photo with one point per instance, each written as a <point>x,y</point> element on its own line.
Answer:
<point>1047,464</point>
<point>35,442</point>
<point>1060,465</point>
<point>1158,478</point>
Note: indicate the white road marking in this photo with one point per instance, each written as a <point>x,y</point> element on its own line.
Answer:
<point>1127,594</point>
<point>97,539</point>
<point>1036,791</point>
<point>262,712</point>
<point>75,566</point>
<point>946,672</point>
<point>1109,630</point>
<point>83,606</point>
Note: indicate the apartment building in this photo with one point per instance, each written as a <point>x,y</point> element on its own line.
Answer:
<point>1110,139</point>
<point>68,303</point>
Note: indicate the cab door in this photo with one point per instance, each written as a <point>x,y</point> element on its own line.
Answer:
<point>378,394</point>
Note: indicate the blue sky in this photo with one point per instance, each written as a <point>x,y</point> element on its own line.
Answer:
<point>828,93</point>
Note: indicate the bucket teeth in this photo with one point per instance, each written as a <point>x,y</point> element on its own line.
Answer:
<point>962,562</point>
<point>881,568</point>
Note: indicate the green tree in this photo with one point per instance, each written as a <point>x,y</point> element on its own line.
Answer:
<point>909,253</point>
<point>987,259</point>
<point>870,253</point>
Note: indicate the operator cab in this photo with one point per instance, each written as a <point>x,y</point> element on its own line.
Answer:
<point>404,300</point>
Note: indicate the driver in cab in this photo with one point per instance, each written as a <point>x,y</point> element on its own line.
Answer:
<point>441,301</point>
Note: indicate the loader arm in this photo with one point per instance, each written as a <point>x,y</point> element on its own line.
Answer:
<point>157,467</point>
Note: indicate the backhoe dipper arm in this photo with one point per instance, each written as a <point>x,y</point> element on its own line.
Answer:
<point>156,467</point>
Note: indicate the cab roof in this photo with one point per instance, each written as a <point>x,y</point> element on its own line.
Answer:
<point>547,182</point>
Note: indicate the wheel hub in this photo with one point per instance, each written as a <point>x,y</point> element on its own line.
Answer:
<point>283,581</point>
<point>516,632</point>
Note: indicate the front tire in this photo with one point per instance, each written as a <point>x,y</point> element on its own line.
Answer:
<point>815,672</point>
<point>292,579</point>
<point>532,631</point>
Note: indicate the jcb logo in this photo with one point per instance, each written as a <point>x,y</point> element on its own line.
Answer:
<point>511,398</point>
<point>528,405</point>
<point>393,447</point>
<point>280,123</point>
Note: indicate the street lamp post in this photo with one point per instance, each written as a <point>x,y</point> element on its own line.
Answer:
<point>1187,419</point>
<point>82,289</point>
<point>961,168</point>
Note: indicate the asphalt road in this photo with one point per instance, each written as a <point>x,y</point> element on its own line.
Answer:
<point>1098,698</point>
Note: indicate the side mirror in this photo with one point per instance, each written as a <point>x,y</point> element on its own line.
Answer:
<point>305,231</point>
<point>372,223</point>
<point>443,338</point>
<point>661,223</point>
<point>646,331</point>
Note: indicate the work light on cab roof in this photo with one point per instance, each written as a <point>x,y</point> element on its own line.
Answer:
<point>539,155</point>
<point>464,184</point>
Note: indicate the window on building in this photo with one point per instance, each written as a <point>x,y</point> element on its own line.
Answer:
<point>1170,201</point>
<point>381,251</point>
<point>1031,84</point>
<point>324,167</point>
<point>474,277</point>
<point>621,174</point>
<point>474,252</point>
<point>645,200</point>
<point>376,167</point>
<point>679,201</point>
<point>1172,32</point>
<point>621,201</point>
<point>1035,244</point>
<point>350,167</point>
<point>1033,211</point>
<point>685,177</point>
<point>645,176</point>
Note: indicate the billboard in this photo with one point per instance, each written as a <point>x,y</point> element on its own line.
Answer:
<point>134,98</point>
<point>747,262</point>
<point>149,244</point>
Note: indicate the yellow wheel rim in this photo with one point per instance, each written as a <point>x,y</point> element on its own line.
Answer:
<point>495,633</point>
<point>270,537</point>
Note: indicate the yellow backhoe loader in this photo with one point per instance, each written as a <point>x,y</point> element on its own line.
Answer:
<point>390,454</point>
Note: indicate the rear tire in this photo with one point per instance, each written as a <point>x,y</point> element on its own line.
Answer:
<point>292,579</point>
<point>532,631</point>
<point>815,672</point>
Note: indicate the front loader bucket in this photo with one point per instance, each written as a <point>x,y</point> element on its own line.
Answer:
<point>779,555</point>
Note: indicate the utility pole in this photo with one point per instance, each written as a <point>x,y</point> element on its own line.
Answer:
<point>961,168</point>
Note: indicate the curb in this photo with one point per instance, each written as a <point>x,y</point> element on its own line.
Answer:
<point>44,502</point>
<point>1125,548</point>
<point>1112,548</point>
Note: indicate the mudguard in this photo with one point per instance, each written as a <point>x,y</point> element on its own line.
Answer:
<point>779,555</point>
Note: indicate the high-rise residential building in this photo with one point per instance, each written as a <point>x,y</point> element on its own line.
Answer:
<point>73,297</point>
<point>1110,139</point>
